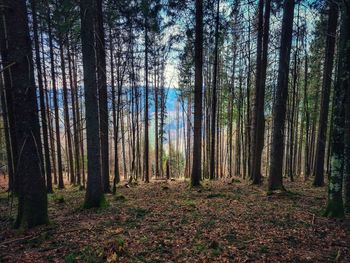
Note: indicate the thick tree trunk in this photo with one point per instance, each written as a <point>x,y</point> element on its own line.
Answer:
<point>94,192</point>
<point>197,131</point>
<point>326,86</point>
<point>279,108</point>
<point>258,118</point>
<point>344,81</point>
<point>17,59</point>
<point>102,95</point>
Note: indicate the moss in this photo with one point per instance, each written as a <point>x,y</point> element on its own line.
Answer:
<point>101,203</point>
<point>190,203</point>
<point>120,198</point>
<point>137,213</point>
<point>335,208</point>
<point>87,254</point>
<point>59,199</point>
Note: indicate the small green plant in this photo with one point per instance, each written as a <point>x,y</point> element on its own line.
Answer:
<point>264,249</point>
<point>190,203</point>
<point>87,254</point>
<point>137,213</point>
<point>120,198</point>
<point>58,198</point>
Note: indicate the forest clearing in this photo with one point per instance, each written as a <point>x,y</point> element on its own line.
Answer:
<point>223,221</point>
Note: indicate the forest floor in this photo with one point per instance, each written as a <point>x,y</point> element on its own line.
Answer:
<point>223,221</point>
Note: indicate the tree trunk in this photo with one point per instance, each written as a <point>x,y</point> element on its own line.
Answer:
<point>32,199</point>
<point>102,95</point>
<point>326,86</point>
<point>197,131</point>
<point>55,102</point>
<point>344,82</point>
<point>94,192</point>
<point>146,137</point>
<point>73,87</point>
<point>42,100</point>
<point>258,118</point>
<point>279,108</point>
<point>214,96</point>
<point>66,114</point>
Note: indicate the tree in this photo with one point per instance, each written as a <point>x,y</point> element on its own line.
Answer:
<point>66,112</point>
<point>279,108</point>
<point>145,9</point>
<point>17,59</point>
<point>42,100</point>
<point>102,95</point>
<point>214,94</point>
<point>55,102</point>
<point>94,192</point>
<point>340,133</point>
<point>258,118</point>
<point>326,87</point>
<point>197,131</point>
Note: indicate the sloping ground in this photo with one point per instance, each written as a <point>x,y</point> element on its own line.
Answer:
<point>168,222</point>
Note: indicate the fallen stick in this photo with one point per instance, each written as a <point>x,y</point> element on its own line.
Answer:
<point>15,240</point>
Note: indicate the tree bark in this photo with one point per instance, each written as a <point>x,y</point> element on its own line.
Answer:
<point>197,131</point>
<point>42,100</point>
<point>102,95</point>
<point>326,86</point>
<point>279,108</point>
<point>55,102</point>
<point>32,199</point>
<point>94,192</point>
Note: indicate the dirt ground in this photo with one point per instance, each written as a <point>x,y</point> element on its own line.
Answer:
<point>223,221</point>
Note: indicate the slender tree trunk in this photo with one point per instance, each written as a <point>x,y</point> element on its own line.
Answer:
<point>197,131</point>
<point>42,100</point>
<point>214,95</point>
<point>146,137</point>
<point>307,122</point>
<point>74,113</point>
<point>66,114</point>
<point>116,178</point>
<point>156,126</point>
<point>55,102</point>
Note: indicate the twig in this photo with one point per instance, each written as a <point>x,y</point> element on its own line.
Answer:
<point>8,66</point>
<point>248,241</point>
<point>15,240</point>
